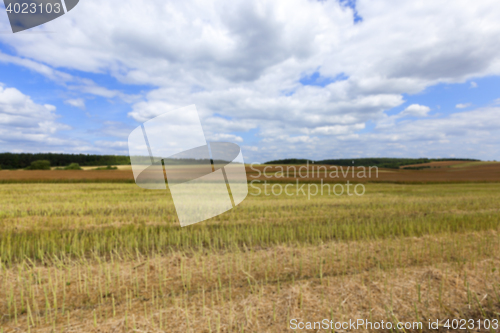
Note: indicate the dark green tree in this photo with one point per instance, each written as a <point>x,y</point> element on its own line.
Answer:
<point>39,165</point>
<point>73,166</point>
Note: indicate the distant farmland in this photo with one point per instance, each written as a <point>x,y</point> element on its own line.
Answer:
<point>451,171</point>
<point>89,251</point>
<point>444,171</point>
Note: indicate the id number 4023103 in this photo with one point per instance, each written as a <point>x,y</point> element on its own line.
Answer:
<point>471,324</point>
<point>33,8</point>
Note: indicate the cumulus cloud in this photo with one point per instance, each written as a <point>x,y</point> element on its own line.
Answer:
<point>415,110</point>
<point>476,132</point>
<point>337,129</point>
<point>24,122</point>
<point>19,110</point>
<point>463,105</point>
<point>241,62</point>
<point>473,84</point>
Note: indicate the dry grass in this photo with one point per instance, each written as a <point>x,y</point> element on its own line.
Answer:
<point>475,164</point>
<point>112,258</point>
<point>260,290</point>
<point>470,172</point>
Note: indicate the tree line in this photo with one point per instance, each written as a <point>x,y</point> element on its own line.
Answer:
<point>24,160</point>
<point>384,162</point>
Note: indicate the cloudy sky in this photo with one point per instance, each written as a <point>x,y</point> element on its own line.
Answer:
<point>291,78</point>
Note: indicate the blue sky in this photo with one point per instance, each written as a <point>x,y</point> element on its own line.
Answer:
<point>443,98</point>
<point>83,122</point>
<point>314,80</point>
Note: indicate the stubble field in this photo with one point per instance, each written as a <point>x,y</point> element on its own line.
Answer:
<point>111,257</point>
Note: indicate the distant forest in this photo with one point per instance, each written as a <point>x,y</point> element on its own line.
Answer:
<point>23,160</point>
<point>392,163</point>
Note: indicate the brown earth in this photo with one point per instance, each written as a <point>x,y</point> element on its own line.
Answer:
<point>471,172</point>
<point>19,176</point>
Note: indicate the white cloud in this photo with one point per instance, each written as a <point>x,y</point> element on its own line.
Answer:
<point>237,58</point>
<point>225,137</point>
<point>473,84</point>
<point>112,144</point>
<point>71,82</point>
<point>415,110</point>
<point>20,110</point>
<point>250,148</point>
<point>38,67</point>
<point>463,105</point>
<point>476,133</point>
<point>24,123</point>
<point>337,129</point>
<point>77,102</point>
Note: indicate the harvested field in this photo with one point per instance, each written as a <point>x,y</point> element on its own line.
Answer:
<point>471,172</point>
<point>112,258</point>
<point>480,172</point>
<point>473,164</point>
<point>65,176</point>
